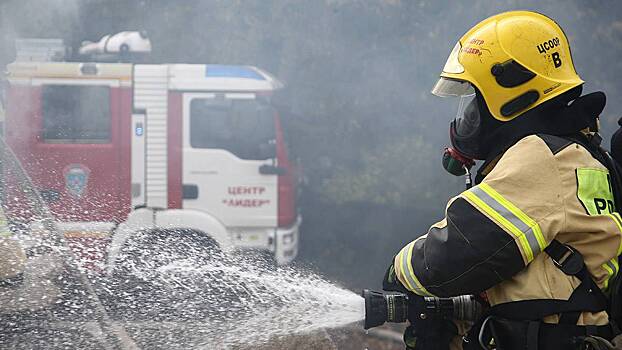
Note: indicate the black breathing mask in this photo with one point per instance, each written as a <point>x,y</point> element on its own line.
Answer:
<point>465,134</point>
<point>465,130</point>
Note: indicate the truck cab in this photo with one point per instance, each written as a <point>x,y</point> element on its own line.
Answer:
<point>117,148</point>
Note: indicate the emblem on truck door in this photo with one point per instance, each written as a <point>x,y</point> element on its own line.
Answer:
<point>76,179</point>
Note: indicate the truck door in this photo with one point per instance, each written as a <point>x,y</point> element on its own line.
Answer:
<point>228,151</point>
<point>69,138</point>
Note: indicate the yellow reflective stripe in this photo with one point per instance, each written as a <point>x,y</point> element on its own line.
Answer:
<point>405,272</point>
<point>612,269</point>
<point>609,274</point>
<point>420,289</point>
<point>522,240</point>
<point>397,265</point>
<point>616,218</point>
<point>518,213</point>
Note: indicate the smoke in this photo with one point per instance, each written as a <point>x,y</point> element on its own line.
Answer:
<point>35,18</point>
<point>358,75</point>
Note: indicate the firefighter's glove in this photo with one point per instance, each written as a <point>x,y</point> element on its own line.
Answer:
<point>410,337</point>
<point>390,283</point>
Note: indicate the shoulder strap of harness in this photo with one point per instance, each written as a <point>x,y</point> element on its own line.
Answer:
<point>518,324</point>
<point>586,297</point>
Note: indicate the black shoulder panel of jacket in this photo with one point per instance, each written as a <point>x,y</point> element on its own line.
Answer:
<point>555,143</point>
<point>468,256</point>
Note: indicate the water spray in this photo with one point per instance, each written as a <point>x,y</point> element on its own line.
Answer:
<point>59,245</point>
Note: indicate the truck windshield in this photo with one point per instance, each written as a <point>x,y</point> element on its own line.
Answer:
<point>244,127</point>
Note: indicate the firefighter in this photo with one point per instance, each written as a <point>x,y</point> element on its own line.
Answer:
<point>537,236</point>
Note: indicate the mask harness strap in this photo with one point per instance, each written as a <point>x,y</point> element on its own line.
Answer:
<point>467,177</point>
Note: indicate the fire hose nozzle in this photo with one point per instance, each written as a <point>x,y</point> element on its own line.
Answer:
<point>398,307</point>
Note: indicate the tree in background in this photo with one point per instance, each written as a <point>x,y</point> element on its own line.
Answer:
<point>362,121</point>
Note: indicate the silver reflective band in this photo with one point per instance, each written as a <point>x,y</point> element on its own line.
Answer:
<point>509,216</point>
<point>452,88</point>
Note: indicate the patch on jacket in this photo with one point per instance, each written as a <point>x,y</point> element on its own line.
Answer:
<point>594,191</point>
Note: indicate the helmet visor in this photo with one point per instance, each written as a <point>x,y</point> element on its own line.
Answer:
<point>450,87</point>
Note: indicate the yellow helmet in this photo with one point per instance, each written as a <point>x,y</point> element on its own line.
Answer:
<point>517,60</point>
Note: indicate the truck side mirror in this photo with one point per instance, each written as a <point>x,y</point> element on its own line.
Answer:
<point>268,169</point>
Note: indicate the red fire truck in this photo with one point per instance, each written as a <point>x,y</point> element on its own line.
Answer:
<point>120,148</point>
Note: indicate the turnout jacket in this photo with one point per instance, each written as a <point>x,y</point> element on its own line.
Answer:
<point>493,236</point>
